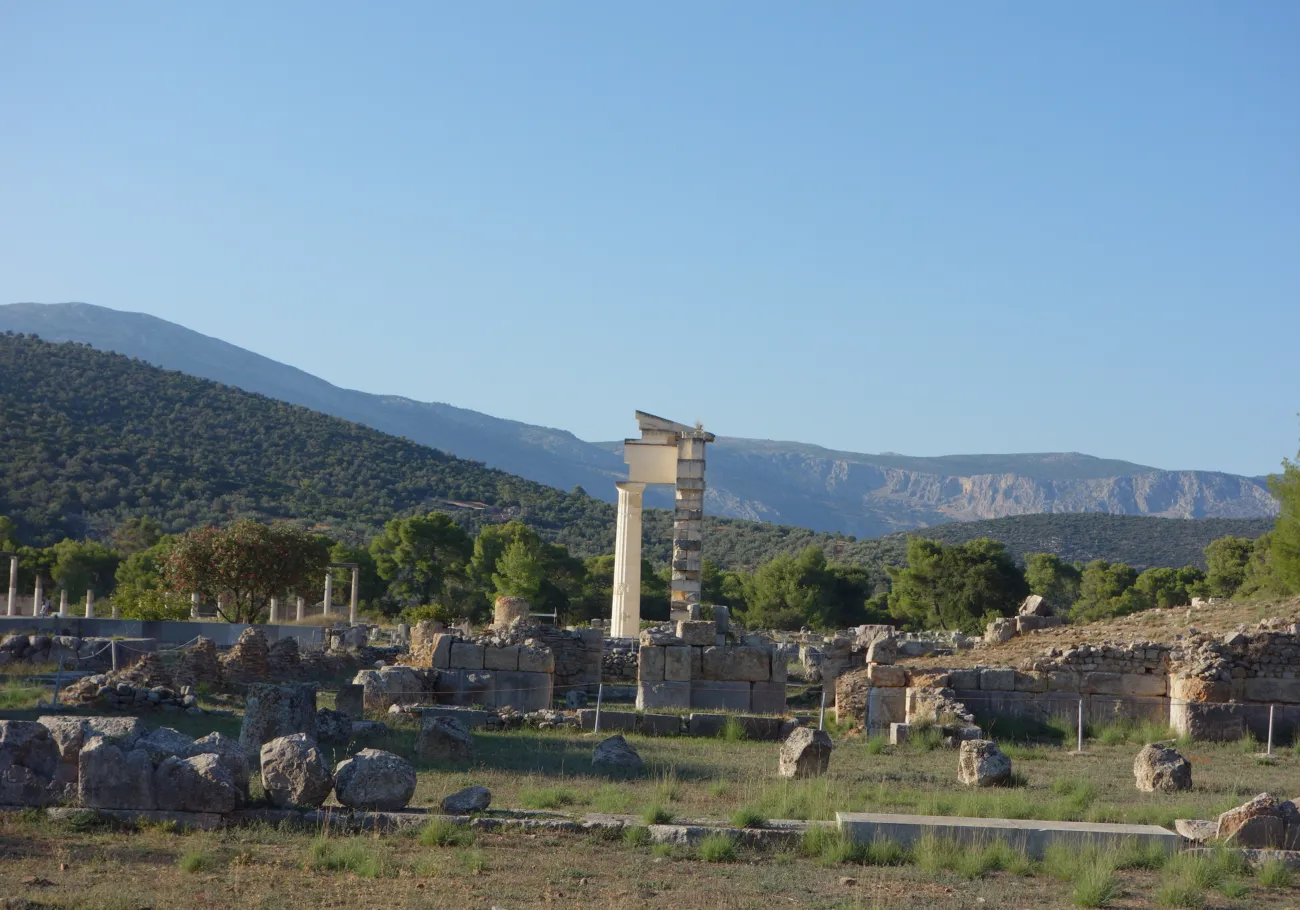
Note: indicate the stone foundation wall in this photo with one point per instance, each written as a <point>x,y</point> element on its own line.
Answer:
<point>471,672</point>
<point>687,668</point>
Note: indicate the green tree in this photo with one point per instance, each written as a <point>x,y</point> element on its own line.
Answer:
<point>1165,587</point>
<point>141,591</point>
<point>8,535</point>
<point>136,534</point>
<point>246,563</point>
<point>1054,579</point>
<point>1226,558</point>
<point>82,565</point>
<point>957,588</point>
<point>370,587</point>
<point>1103,592</point>
<point>1261,577</point>
<point>518,572</point>
<point>416,555</point>
<point>788,592</point>
<point>1286,529</point>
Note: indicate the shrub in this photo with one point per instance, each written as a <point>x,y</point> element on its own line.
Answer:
<point>748,818</point>
<point>733,731</point>
<point>877,744</point>
<point>883,852</point>
<point>547,797</point>
<point>442,832</point>
<point>636,836</point>
<point>350,855</point>
<point>1096,886</point>
<point>717,848</point>
<point>1273,873</point>
<point>656,815</point>
<point>197,860</point>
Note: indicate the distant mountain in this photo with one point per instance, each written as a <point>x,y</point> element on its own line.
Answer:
<point>787,483</point>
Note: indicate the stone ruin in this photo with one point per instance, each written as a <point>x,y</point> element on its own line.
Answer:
<point>692,666</point>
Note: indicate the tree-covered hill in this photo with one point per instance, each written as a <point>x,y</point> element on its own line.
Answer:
<point>90,439</point>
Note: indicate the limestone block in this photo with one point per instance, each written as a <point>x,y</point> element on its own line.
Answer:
<point>677,663</point>
<point>761,728</point>
<point>706,725</point>
<point>441,651</point>
<point>650,666</point>
<point>465,655</point>
<point>112,779</point>
<point>659,724</point>
<point>1143,684</point>
<point>1208,721</point>
<point>521,690</point>
<point>463,802</point>
<point>768,698</point>
<point>1030,682</point>
<point>1189,688</point>
<point>1062,681</point>
<point>964,679</point>
<point>618,721</point>
<point>997,679</point>
<point>376,780</point>
<point>202,783</point>
<point>722,618</point>
<point>1159,768</point>
<point>536,660</point>
<point>272,711</point>
<point>1271,690</point>
<point>350,700</point>
<point>701,633</point>
<point>443,739</point>
<point>780,669</point>
<point>503,658</point>
<point>887,676</point>
<point>740,663</point>
<point>697,663</point>
<point>1102,684</point>
<point>614,754</point>
<point>652,696</point>
<point>929,679</point>
<point>29,761</point>
<point>885,707</point>
<point>295,773</point>
<point>982,764</point>
<point>805,753</point>
<point>720,695</point>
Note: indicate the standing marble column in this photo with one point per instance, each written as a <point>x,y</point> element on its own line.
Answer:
<point>38,598</point>
<point>274,618</point>
<point>63,602</point>
<point>356,587</point>
<point>329,590</point>
<point>195,602</point>
<point>13,586</point>
<point>625,615</point>
<point>302,608</point>
<point>90,603</point>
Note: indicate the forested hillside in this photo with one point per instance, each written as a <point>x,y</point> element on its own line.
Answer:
<point>90,439</point>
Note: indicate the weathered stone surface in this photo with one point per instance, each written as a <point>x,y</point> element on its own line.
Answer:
<point>1196,830</point>
<point>887,676</point>
<point>202,783</point>
<point>659,724</point>
<point>1258,823</point>
<point>650,664</point>
<point>998,679</point>
<point>999,631</point>
<point>273,711</point>
<point>1159,768</point>
<point>443,739</point>
<point>726,664</point>
<point>1271,689</point>
<point>626,721</point>
<point>536,660</point>
<point>721,696</point>
<point>466,655</point>
<point>1143,684</point>
<point>576,699</point>
<point>614,754</point>
<point>29,760</point>
<point>505,657</point>
<point>654,696</point>
<point>1034,605</point>
<point>333,726</point>
<point>805,753</point>
<point>767,698</point>
<point>677,663</point>
<point>351,700</point>
<point>295,773</point>
<point>164,742</point>
<point>390,686</point>
<point>229,752</point>
<point>110,778</point>
<point>507,610</point>
<point>967,679</point>
<point>1189,688</point>
<point>698,632</point>
<point>463,802</point>
<point>69,734</point>
<point>374,779</point>
<point>981,763</point>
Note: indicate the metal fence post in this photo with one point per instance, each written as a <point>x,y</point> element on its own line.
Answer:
<point>600,697</point>
<point>1270,730</point>
<point>821,718</point>
<point>1080,737</point>
<point>112,652</point>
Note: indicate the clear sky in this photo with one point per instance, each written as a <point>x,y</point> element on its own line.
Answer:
<point>919,227</point>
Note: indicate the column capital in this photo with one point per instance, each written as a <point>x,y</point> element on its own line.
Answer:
<point>630,486</point>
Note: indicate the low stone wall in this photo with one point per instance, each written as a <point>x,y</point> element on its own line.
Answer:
<point>686,668</point>
<point>225,634</point>
<point>475,673</point>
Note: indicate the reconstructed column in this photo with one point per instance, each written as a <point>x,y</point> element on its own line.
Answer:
<point>195,602</point>
<point>113,605</point>
<point>329,590</point>
<point>13,586</point>
<point>38,598</point>
<point>356,588</point>
<point>688,524</point>
<point>90,603</point>
<point>302,607</point>
<point>625,617</point>
<point>275,610</point>
<point>63,602</point>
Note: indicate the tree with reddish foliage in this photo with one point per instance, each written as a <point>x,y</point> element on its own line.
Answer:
<point>243,565</point>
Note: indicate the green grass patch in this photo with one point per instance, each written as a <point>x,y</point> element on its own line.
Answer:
<point>199,860</point>
<point>733,731</point>
<point>748,818</point>
<point>442,832</point>
<point>548,797</point>
<point>346,855</point>
<point>636,836</point>
<point>1274,873</point>
<point>1095,886</point>
<point>877,743</point>
<point>656,815</point>
<point>717,848</point>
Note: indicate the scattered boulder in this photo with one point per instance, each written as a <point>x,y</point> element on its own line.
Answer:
<point>1259,823</point>
<point>805,753</point>
<point>1160,768</point>
<point>165,742</point>
<point>273,711</point>
<point>113,777</point>
<point>333,726</point>
<point>614,754</point>
<point>1035,605</point>
<point>443,739</point>
<point>294,772</point>
<point>471,799</point>
<point>29,759</point>
<point>882,650</point>
<point>391,686</point>
<point>1196,830</point>
<point>230,753</point>
<point>374,779</point>
<point>202,783</point>
<point>982,764</point>
<point>351,700</point>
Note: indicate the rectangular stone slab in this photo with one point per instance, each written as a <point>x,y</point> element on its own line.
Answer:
<point>1035,835</point>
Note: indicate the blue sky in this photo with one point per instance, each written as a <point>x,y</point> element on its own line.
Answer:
<point>925,228</point>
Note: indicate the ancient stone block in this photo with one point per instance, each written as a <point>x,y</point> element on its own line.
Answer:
<point>463,802</point>
<point>805,753</point>
<point>750,664</point>
<point>622,721</point>
<point>1189,688</point>
<point>376,780</point>
<point>761,728</point>
<point>465,655</point>
<point>997,679</point>
<point>1143,684</point>
<point>964,679</point>
<point>274,711</point>
<point>720,695</point>
<point>982,764</point>
<point>700,633</point>
<point>677,663</point>
<point>295,773</point>
<point>886,676</point>
<point>652,696</point>
<point>885,707</point>
<point>780,669</point>
<point>521,690</point>
<point>1031,682</point>
<point>443,739</point>
<point>1102,684</point>
<point>113,779</point>
<point>706,725</point>
<point>1271,689</point>
<point>29,761</point>
<point>351,700</point>
<point>202,783</point>
<point>650,666</point>
<point>614,754</point>
<point>930,679</point>
<point>1208,721</point>
<point>536,660</point>
<point>767,698</point>
<point>1159,768</point>
<point>440,652</point>
<point>503,658</point>
<point>1062,681</point>
<point>659,724</point>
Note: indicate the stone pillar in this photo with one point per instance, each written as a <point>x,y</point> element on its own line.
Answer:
<point>302,608</point>
<point>625,616</point>
<point>113,604</point>
<point>13,586</point>
<point>38,598</point>
<point>90,603</point>
<point>356,589</point>
<point>275,611</point>
<point>195,602</point>
<point>688,525</point>
<point>329,590</point>
<point>63,602</point>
